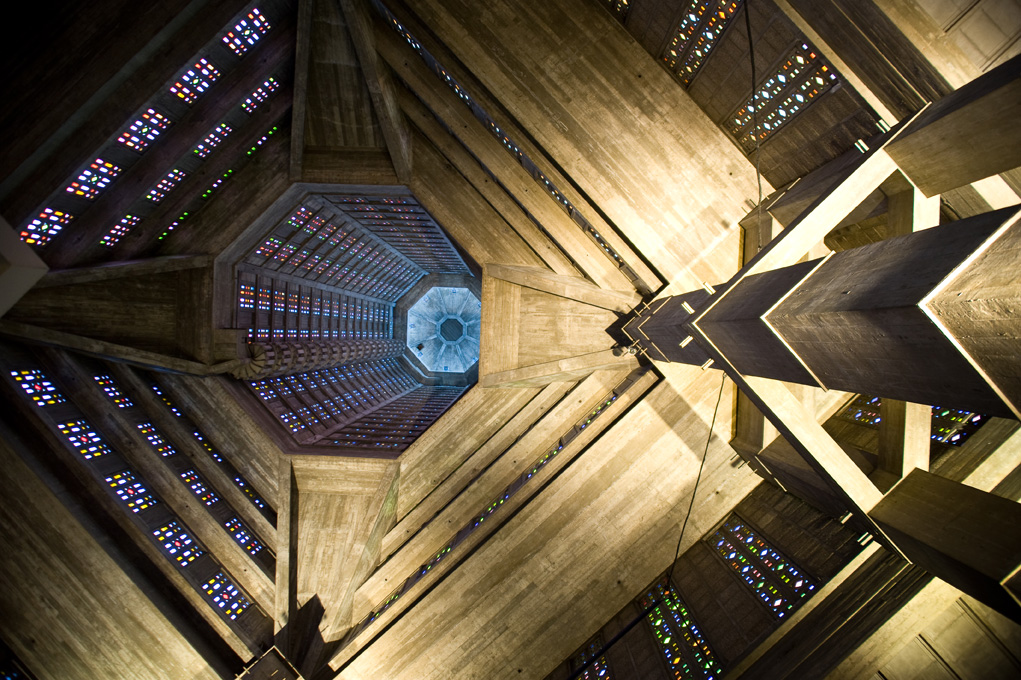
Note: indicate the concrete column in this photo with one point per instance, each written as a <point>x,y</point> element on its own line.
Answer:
<point>965,536</point>
<point>915,318</point>
<point>904,433</point>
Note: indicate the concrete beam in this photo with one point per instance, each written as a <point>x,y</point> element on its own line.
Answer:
<point>963,535</point>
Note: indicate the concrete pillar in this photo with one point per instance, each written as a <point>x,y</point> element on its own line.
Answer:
<point>965,536</point>
<point>904,433</point>
<point>908,318</point>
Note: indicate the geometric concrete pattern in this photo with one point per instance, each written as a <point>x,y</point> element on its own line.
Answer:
<point>443,329</point>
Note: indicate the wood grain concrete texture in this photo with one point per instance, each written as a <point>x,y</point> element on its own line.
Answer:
<point>617,124</point>
<point>523,327</point>
<point>69,598</point>
<point>474,424</point>
<point>489,484</point>
<point>338,109</point>
<point>339,501</point>
<point>609,521</point>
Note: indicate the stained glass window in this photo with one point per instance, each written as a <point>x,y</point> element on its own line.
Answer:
<point>701,26</point>
<point>246,32</point>
<point>953,426</point>
<point>776,581</point>
<point>111,390</point>
<point>84,439</point>
<point>595,668</point>
<point>210,449</point>
<point>261,94</point>
<point>262,140</point>
<point>93,179</point>
<point>165,400</point>
<point>217,184</point>
<point>144,131</point>
<point>195,81</point>
<point>163,187</point>
<point>38,387</point>
<point>131,492</point>
<point>199,488</point>
<point>685,649</point>
<point>212,140</point>
<point>243,536</point>
<point>226,596</point>
<point>246,296</point>
<point>798,81</point>
<point>120,230</point>
<point>158,443</point>
<point>43,228</point>
<point>178,544</point>
<point>949,425</point>
<point>300,217</point>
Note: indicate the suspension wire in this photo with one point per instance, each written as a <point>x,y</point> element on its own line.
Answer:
<point>677,552</point>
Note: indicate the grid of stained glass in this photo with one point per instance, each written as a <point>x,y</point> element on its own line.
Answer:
<point>243,536</point>
<point>199,488</point>
<point>226,596</point>
<point>93,179</point>
<point>195,81</point>
<point>949,425</point>
<point>246,32</point>
<point>212,140</point>
<point>687,653</point>
<point>776,581</point>
<point>38,387</point>
<point>702,23</point>
<point>798,81</point>
<point>144,130</point>
<point>246,296</point>
<point>595,667</point>
<point>157,441</point>
<point>177,544</point>
<point>84,439</point>
<point>120,230</point>
<point>131,492</point>
<point>111,390</point>
<point>953,426</point>
<point>261,94</point>
<point>43,228</point>
<point>163,187</point>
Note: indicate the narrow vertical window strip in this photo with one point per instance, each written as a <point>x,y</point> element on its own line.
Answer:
<point>776,581</point>
<point>684,647</point>
<point>798,81</point>
<point>483,117</point>
<point>702,23</point>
